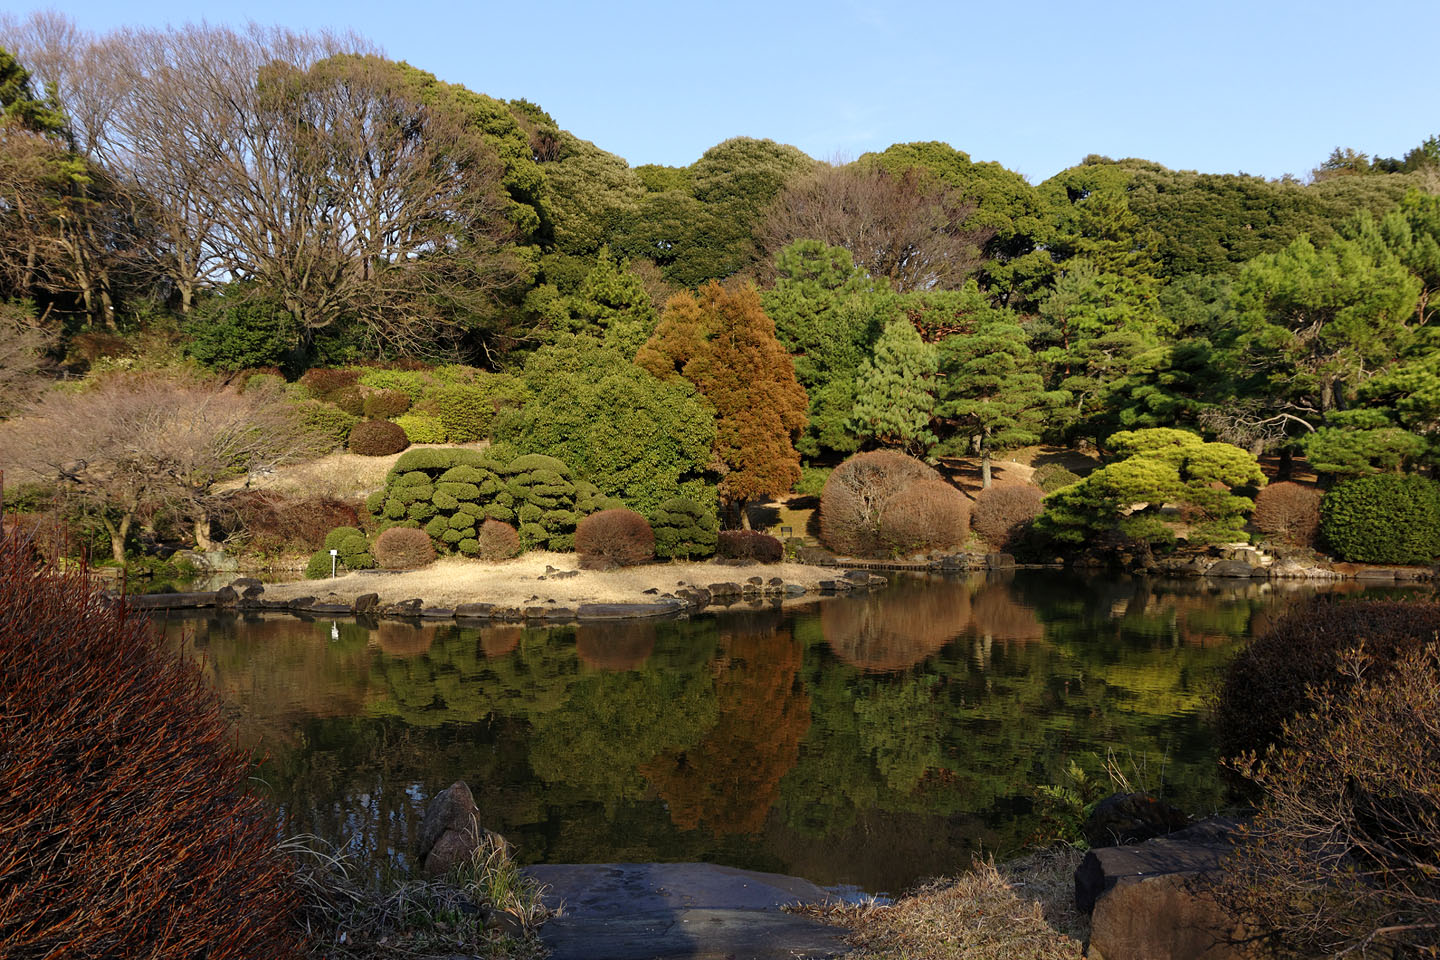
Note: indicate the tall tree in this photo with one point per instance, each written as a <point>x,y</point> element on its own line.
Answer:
<point>721,341</point>
<point>895,390</point>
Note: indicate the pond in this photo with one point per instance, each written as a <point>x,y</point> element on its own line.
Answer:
<point>871,740</point>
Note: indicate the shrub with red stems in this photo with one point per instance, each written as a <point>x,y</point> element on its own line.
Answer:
<point>614,538</point>
<point>1003,509</point>
<point>1289,513</point>
<point>402,548</point>
<point>749,545</point>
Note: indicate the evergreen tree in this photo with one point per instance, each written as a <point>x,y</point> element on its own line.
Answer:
<point>895,392</point>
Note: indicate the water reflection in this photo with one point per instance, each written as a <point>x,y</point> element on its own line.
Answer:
<point>871,740</point>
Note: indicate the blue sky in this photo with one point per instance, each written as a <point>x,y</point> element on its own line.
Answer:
<point>1262,87</point>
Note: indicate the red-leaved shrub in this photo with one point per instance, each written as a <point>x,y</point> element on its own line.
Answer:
<point>323,380</point>
<point>1289,512</point>
<point>927,515</point>
<point>614,538</point>
<point>267,520</point>
<point>1002,509</point>
<point>749,545</point>
<point>377,438</point>
<point>349,399</point>
<point>127,823</point>
<point>401,548</point>
<point>498,541</point>
<point>386,404</point>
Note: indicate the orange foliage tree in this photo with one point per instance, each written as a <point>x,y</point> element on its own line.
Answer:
<point>720,339</point>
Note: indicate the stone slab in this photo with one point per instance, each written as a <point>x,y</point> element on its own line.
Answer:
<point>700,934</point>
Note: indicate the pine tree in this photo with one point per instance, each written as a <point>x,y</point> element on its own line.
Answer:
<point>895,398</point>
<point>721,341</point>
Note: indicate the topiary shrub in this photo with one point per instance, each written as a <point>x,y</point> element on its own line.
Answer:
<point>589,499</point>
<point>128,823</point>
<point>330,422</point>
<point>926,515</point>
<point>320,565</point>
<point>387,405</point>
<point>412,383</point>
<point>401,548</point>
<point>1003,509</point>
<point>1052,476</point>
<point>421,428</point>
<point>355,552</point>
<point>1276,676</point>
<point>339,535</point>
<point>1384,518</point>
<point>322,381</point>
<point>684,530</point>
<point>868,491</point>
<point>495,541</point>
<point>1289,513</point>
<point>749,545</point>
<point>542,495</point>
<point>377,438</point>
<point>464,410</point>
<point>614,538</point>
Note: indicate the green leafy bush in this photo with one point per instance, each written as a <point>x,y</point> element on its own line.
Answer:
<point>614,538</point>
<point>421,428</point>
<point>239,329</point>
<point>469,409</point>
<point>263,381</point>
<point>749,545</point>
<point>328,421</point>
<point>319,566</point>
<point>335,537</point>
<point>412,383</point>
<point>402,548</point>
<point>1383,518</point>
<point>1050,477</point>
<point>684,530</point>
<point>387,405</point>
<point>812,481</point>
<point>377,438</point>
<point>355,552</point>
<point>544,485</point>
<point>349,399</point>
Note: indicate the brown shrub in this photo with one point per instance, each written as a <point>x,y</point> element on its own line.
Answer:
<point>273,521</point>
<point>349,399</point>
<point>1002,509</point>
<point>400,548</point>
<point>323,380</point>
<point>377,438</point>
<point>749,545</point>
<point>856,496</point>
<point>614,538</point>
<point>127,825</point>
<point>897,628</point>
<point>1289,512</point>
<point>386,404</point>
<point>927,515</point>
<point>498,541</point>
<point>1274,678</point>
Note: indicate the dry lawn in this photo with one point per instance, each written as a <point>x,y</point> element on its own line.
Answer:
<point>343,475</point>
<point>518,582</point>
<point>1022,910</point>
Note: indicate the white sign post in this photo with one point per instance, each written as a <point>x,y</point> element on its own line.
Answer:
<point>333,555</point>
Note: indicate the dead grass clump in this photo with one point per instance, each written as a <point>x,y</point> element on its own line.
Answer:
<point>497,541</point>
<point>403,548</point>
<point>983,915</point>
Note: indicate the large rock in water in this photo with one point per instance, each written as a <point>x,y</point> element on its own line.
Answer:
<point>450,830</point>
<point>1131,818</point>
<point>1152,902</point>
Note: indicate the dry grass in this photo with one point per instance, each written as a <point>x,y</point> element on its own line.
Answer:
<point>517,582</point>
<point>1022,910</point>
<point>343,475</point>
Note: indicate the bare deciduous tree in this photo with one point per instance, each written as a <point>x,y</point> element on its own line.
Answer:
<point>910,229</point>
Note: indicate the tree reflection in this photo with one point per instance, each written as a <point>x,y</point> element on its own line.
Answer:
<point>898,628</point>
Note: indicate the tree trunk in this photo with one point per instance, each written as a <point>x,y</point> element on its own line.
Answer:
<point>202,532</point>
<point>985,469</point>
<point>1287,463</point>
<point>118,535</point>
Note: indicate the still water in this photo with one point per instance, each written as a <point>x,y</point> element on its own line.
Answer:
<point>874,740</point>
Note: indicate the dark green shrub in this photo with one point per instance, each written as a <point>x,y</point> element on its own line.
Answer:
<point>614,538</point>
<point>684,530</point>
<point>1052,476</point>
<point>335,537</point>
<point>495,541</point>
<point>812,481</point>
<point>401,548</point>
<point>320,565</point>
<point>1383,518</point>
<point>377,438</point>
<point>330,422</point>
<point>321,381</point>
<point>589,499</point>
<point>544,485</point>
<point>749,545</point>
<point>262,380</point>
<point>240,329</point>
<point>129,826</point>
<point>387,405</point>
<point>1275,677</point>
<point>355,552</point>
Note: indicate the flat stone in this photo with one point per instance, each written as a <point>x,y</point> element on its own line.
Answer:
<point>300,603</point>
<point>999,561</point>
<point>437,613</point>
<point>724,589</point>
<point>330,609</point>
<point>366,602</point>
<point>592,890</point>
<point>627,611</point>
<point>1170,916</point>
<point>170,601</point>
<point>478,610</point>
<point>694,934</point>
<point>1375,573</point>
<point>1229,569</point>
<point>1105,868</point>
<point>241,584</point>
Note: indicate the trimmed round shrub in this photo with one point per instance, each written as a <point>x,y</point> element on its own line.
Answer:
<point>321,381</point>
<point>1274,678</point>
<point>401,548</point>
<point>319,566</point>
<point>387,405</point>
<point>1289,513</point>
<point>1003,509</point>
<point>377,438</point>
<point>614,538</point>
<point>926,515</point>
<point>1052,476</point>
<point>330,422</point>
<point>684,529</point>
<point>749,545</point>
<point>128,822</point>
<point>421,428</point>
<point>339,535</point>
<point>857,496</point>
<point>1384,518</point>
<point>496,541</point>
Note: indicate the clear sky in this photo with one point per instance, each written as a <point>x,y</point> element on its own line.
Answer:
<point>1265,87</point>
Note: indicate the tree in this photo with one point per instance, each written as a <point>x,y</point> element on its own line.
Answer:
<point>895,392</point>
<point>127,448</point>
<point>1361,441</point>
<point>23,344</point>
<point>722,342</point>
<point>991,388</point>
<point>611,304</point>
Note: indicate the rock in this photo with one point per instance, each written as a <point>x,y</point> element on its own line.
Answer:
<point>1229,569</point>
<point>366,602</point>
<point>329,609</point>
<point>1364,573</point>
<point>300,603</point>
<point>999,561</point>
<point>1127,818</point>
<point>756,581</point>
<point>437,613</point>
<point>226,597</point>
<point>564,574</point>
<point>479,610</point>
<point>818,556</point>
<point>775,582</point>
<point>794,590</point>
<point>406,608</point>
<point>856,576</point>
<point>252,593</point>
<point>1244,554</point>
<point>450,830</point>
<point>626,611</point>
<point>652,591</point>
<point>241,584</point>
